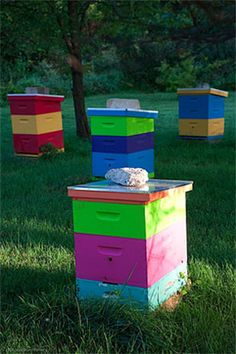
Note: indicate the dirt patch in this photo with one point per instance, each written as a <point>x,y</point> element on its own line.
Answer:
<point>172,302</point>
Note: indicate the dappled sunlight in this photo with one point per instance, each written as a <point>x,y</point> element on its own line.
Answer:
<point>163,212</point>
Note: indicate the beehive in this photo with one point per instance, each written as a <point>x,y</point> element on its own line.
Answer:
<point>122,138</point>
<point>36,121</point>
<point>130,244</point>
<point>201,113</point>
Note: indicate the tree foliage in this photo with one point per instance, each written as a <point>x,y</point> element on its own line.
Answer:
<point>153,44</point>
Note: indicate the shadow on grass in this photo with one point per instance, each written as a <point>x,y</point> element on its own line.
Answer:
<point>17,282</point>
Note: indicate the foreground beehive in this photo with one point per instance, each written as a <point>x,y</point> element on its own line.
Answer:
<point>201,113</point>
<point>36,121</point>
<point>122,138</point>
<point>130,244</point>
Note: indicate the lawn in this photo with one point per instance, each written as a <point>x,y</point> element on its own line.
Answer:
<point>39,311</point>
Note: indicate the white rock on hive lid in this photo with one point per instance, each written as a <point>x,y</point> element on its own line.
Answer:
<point>126,176</point>
<point>37,90</point>
<point>123,103</point>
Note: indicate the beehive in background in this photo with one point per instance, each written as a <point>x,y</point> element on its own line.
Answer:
<point>201,113</point>
<point>122,138</point>
<point>130,243</point>
<point>36,121</point>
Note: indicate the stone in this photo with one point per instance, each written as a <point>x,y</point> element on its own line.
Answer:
<point>123,103</point>
<point>126,176</point>
<point>37,90</point>
<point>203,85</point>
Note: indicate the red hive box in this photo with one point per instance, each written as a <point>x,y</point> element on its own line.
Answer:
<point>31,144</point>
<point>32,104</point>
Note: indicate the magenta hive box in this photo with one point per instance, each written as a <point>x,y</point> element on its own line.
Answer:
<point>143,266</point>
<point>133,261</point>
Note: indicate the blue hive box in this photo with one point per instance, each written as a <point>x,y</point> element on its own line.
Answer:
<point>201,107</point>
<point>201,103</point>
<point>102,162</point>
<point>122,144</point>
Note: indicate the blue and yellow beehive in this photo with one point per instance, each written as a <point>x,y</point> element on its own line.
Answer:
<point>201,113</point>
<point>122,138</point>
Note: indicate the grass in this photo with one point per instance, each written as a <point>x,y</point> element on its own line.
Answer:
<point>39,311</point>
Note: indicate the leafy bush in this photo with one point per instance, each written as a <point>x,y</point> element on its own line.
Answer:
<point>106,76</point>
<point>8,88</point>
<point>94,83</point>
<point>165,65</point>
<point>49,151</point>
<point>103,83</point>
<point>190,72</point>
<point>106,61</point>
<point>219,73</point>
<point>50,77</point>
<point>43,75</point>
<point>183,74</point>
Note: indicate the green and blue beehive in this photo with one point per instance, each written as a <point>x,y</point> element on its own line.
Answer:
<point>122,138</point>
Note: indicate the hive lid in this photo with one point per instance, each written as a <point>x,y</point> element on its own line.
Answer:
<point>109,191</point>
<point>122,112</point>
<point>201,91</point>
<point>30,95</point>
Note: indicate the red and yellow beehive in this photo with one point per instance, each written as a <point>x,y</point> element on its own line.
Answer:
<point>36,122</point>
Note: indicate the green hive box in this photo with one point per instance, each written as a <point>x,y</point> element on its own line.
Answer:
<point>127,220</point>
<point>120,126</point>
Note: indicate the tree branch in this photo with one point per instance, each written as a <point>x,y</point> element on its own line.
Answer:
<point>61,25</point>
<point>82,11</point>
<point>217,13</point>
<point>72,8</point>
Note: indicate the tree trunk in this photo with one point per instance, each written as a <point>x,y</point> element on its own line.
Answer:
<point>76,10</point>
<point>75,21</point>
<point>82,126</point>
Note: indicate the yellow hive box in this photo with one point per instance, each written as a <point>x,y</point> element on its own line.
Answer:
<point>36,124</point>
<point>201,127</point>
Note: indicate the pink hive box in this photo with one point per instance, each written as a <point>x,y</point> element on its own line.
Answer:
<point>133,262</point>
